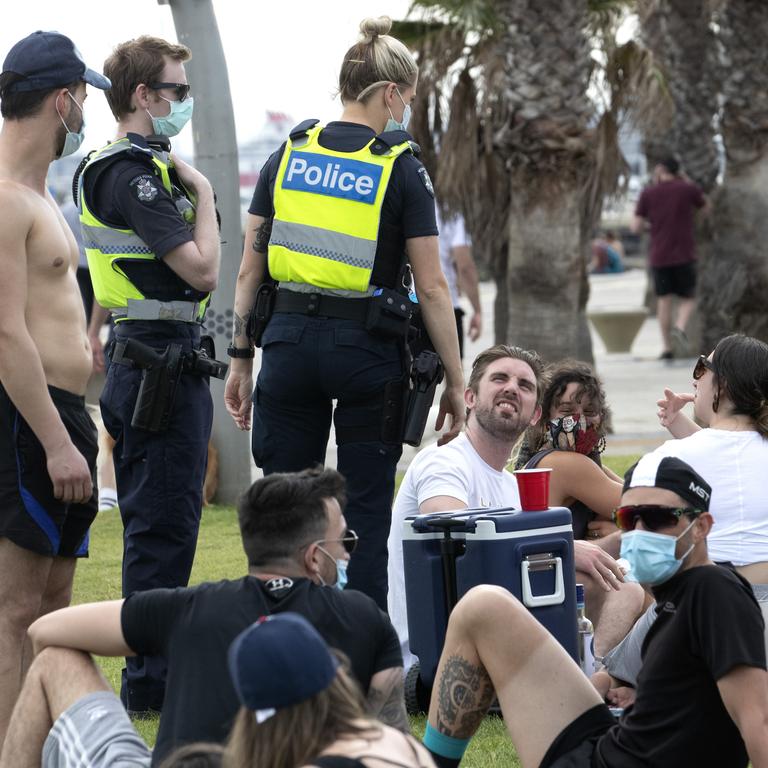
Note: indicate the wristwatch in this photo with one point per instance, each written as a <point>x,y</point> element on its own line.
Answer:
<point>234,351</point>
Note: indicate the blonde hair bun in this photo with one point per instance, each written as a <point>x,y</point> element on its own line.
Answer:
<point>372,28</point>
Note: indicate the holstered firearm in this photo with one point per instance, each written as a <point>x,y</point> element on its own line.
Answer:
<point>426,374</point>
<point>160,374</point>
<point>262,312</point>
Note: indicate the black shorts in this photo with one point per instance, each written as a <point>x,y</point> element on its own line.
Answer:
<point>679,280</point>
<point>30,516</point>
<point>574,746</point>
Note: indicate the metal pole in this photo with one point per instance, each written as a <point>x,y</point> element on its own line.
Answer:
<point>215,147</point>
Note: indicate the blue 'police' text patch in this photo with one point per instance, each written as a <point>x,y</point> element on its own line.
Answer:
<point>333,176</point>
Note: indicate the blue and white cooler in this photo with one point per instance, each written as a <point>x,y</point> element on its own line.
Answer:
<point>446,554</point>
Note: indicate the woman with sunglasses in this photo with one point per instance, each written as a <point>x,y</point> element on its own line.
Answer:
<point>730,399</point>
<point>569,440</point>
<point>340,216</point>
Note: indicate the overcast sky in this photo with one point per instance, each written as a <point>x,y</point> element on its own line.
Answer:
<point>282,56</point>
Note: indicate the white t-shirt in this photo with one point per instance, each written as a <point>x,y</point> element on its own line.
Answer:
<point>735,464</point>
<point>452,235</point>
<point>456,470</point>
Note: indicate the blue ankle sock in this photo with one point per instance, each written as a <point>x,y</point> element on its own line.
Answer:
<point>446,750</point>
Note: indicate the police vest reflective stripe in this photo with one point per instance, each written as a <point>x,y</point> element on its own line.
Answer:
<point>106,247</point>
<point>327,213</point>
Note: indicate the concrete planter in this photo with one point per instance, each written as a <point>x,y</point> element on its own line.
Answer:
<point>618,328</point>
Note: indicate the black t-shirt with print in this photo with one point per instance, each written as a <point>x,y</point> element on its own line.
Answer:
<point>708,624</point>
<point>193,628</point>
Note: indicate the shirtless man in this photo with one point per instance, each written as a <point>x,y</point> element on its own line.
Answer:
<point>47,441</point>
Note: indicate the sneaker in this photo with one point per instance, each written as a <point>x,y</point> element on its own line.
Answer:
<point>680,344</point>
<point>107,499</point>
<point>666,355</point>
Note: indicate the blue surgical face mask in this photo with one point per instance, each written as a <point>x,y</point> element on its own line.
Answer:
<point>652,555</point>
<point>172,123</point>
<point>341,574</point>
<point>341,569</point>
<point>73,139</point>
<point>392,124</point>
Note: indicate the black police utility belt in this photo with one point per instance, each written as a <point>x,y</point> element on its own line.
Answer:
<point>160,374</point>
<point>386,313</point>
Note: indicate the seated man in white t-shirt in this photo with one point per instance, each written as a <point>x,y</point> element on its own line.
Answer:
<point>502,401</point>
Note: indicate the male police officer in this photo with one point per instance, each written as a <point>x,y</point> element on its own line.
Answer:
<point>47,440</point>
<point>150,231</point>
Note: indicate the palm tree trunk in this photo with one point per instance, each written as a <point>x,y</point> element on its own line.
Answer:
<point>679,33</point>
<point>734,281</point>
<point>543,134</point>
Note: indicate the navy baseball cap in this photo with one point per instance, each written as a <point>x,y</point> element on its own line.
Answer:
<point>278,662</point>
<point>48,60</point>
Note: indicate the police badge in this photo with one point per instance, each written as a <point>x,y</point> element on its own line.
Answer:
<point>145,188</point>
<point>426,181</point>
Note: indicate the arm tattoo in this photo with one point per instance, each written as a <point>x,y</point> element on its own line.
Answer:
<point>240,325</point>
<point>262,235</point>
<point>388,704</point>
<point>464,694</point>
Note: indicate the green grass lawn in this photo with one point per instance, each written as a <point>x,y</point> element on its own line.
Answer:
<point>220,556</point>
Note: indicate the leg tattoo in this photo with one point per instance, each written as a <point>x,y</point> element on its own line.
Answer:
<point>464,694</point>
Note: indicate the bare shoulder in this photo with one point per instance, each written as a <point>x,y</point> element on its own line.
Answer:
<point>565,460</point>
<point>19,210</point>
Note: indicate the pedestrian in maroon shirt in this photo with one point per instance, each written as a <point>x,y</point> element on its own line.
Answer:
<point>668,208</point>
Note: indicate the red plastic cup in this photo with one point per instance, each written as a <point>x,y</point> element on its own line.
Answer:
<point>533,485</point>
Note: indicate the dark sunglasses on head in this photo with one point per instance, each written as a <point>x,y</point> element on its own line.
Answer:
<point>654,516</point>
<point>703,364</point>
<point>181,89</point>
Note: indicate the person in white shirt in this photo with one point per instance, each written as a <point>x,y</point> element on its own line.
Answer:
<point>502,400</point>
<point>460,272</point>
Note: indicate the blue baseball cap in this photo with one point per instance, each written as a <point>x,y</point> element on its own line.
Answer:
<point>278,662</point>
<point>48,60</point>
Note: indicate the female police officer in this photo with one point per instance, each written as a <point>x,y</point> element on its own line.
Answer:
<point>336,212</point>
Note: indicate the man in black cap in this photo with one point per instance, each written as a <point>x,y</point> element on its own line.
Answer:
<point>47,440</point>
<point>702,695</point>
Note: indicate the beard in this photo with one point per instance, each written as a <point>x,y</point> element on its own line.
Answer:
<point>507,426</point>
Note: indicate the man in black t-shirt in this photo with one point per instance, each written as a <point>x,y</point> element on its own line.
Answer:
<point>702,695</point>
<point>297,543</point>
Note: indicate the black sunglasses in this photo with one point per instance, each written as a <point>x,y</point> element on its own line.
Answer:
<point>703,364</point>
<point>654,516</point>
<point>181,89</point>
<point>348,540</point>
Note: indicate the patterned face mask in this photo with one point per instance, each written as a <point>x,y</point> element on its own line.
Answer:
<point>572,433</point>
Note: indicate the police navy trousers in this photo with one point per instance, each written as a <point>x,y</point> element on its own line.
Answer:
<point>307,362</point>
<point>159,486</point>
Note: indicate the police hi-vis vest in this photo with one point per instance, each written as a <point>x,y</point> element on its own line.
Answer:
<point>327,211</point>
<point>110,250</point>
